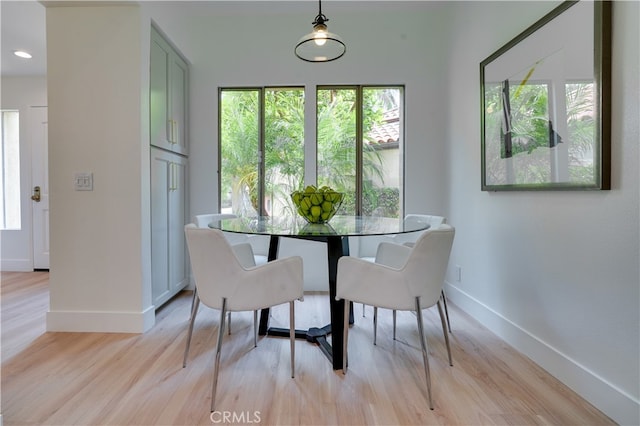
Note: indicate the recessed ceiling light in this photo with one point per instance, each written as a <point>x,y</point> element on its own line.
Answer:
<point>22,54</point>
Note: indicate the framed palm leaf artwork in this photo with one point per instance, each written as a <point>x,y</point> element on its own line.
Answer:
<point>545,104</point>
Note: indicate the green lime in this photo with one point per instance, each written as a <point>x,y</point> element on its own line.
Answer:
<point>316,199</point>
<point>305,204</point>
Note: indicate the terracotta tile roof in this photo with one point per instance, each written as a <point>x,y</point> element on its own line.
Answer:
<point>388,131</point>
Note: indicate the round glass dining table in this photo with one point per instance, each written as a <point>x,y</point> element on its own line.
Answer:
<point>339,226</point>
<point>335,234</point>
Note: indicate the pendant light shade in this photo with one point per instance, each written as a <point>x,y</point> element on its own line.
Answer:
<point>320,45</point>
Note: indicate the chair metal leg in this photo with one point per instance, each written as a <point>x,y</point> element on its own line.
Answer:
<point>444,331</point>
<point>375,325</point>
<point>446,311</point>
<point>345,337</point>
<point>425,356</point>
<point>255,329</point>
<point>216,363</point>
<point>363,310</point>
<point>229,322</point>
<point>193,298</point>
<point>194,311</point>
<point>394,324</point>
<point>292,337</point>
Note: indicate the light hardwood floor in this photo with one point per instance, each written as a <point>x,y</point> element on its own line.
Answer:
<point>130,379</point>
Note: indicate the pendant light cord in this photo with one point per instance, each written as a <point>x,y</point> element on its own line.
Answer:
<point>320,18</point>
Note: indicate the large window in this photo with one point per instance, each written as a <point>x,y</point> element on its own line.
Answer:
<point>261,149</point>
<point>358,148</point>
<point>10,176</point>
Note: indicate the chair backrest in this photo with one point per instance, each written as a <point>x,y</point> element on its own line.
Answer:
<point>213,264</point>
<point>432,220</point>
<point>203,221</point>
<point>411,237</point>
<point>426,266</point>
<point>365,247</point>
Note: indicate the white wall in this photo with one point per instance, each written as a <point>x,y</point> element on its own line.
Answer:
<point>98,122</point>
<point>553,273</point>
<point>21,93</point>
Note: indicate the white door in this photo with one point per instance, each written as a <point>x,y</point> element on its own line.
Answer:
<point>40,186</point>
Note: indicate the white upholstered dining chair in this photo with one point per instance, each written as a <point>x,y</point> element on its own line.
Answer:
<point>240,243</point>
<point>366,248</point>
<point>223,283</point>
<point>409,239</point>
<point>410,279</point>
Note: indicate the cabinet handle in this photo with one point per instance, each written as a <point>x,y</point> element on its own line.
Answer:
<point>175,133</point>
<point>172,129</point>
<point>175,172</point>
<point>176,175</point>
<point>170,177</point>
<point>174,178</point>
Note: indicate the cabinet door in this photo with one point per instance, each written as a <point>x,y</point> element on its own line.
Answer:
<point>168,206</point>
<point>179,74</point>
<point>169,84</point>
<point>160,181</point>
<point>159,92</point>
<point>178,275</point>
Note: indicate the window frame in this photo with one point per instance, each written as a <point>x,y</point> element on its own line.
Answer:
<point>359,142</point>
<point>261,135</point>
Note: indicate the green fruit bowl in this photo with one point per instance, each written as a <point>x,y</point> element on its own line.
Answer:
<point>317,206</point>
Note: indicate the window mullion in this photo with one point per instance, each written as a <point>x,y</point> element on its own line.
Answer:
<point>261,153</point>
<point>359,150</point>
<point>311,136</point>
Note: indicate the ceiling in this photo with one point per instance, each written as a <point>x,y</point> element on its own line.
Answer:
<point>23,22</point>
<point>22,28</point>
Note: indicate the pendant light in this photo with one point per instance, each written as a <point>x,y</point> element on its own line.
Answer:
<point>320,45</point>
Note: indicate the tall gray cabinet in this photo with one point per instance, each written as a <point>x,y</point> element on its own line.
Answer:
<point>169,89</point>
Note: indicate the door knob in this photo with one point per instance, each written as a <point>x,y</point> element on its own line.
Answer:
<point>36,194</point>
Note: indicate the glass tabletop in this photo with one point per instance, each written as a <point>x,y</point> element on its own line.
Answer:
<point>339,225</point>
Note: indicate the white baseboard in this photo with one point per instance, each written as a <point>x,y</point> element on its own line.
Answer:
<point>16,265</point>
<point>613,402</point>
<point>101,322</point>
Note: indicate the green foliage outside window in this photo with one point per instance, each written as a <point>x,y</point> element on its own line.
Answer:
<point>531,129</point>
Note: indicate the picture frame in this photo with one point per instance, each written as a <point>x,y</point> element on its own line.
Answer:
<point>546,104</point>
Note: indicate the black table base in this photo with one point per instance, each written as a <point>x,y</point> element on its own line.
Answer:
<point>337,246</point>
<point>312,335</point>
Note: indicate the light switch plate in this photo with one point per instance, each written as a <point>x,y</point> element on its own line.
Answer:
<point>83,181</point>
